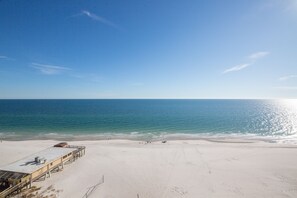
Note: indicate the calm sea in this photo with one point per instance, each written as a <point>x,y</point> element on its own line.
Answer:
<point>147,119</point>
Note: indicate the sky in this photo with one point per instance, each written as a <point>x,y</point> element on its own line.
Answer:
<point>200,49</point>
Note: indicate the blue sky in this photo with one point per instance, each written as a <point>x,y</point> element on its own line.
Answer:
<point>148,49</point>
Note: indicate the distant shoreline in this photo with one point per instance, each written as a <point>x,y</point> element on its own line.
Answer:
<point>223,138</point>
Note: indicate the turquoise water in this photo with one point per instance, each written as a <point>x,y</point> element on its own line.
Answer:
<point>142,119</point>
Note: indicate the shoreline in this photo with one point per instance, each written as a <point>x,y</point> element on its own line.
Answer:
<point>237,138</point>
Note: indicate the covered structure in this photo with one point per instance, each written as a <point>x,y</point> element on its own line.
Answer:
<point>21,173</point>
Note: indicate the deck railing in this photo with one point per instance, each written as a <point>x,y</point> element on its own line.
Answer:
<point>14,188</point>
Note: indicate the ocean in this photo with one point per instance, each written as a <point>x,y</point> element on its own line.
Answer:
<point>148,119</point>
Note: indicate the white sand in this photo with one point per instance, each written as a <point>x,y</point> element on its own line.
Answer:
<point>194,169</point>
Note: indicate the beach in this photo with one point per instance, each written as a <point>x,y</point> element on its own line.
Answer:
<point>148,99</point>
<point>179,168</point>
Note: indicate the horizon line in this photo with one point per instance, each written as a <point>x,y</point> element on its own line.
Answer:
<point>148,98</point>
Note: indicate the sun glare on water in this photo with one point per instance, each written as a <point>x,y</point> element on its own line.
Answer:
<point>289,103</point>
<point>287,113</point>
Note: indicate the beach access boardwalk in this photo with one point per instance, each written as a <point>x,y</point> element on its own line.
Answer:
<point>20,174</point>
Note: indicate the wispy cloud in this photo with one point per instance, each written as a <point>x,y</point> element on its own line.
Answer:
<point>5,58</point>
<point>253,57</point>
<point>258,55</point>
<point>99,19</point>
<point>49,69</point>
<point>282,5</point>
<point>283,78</point>
<point>236,68</point>
<point>55,70</point>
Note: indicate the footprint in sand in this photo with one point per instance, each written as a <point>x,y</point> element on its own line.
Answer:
<point>179,190</point>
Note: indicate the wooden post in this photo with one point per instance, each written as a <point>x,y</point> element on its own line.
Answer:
<point>30,180</point>
<point>48,171</point>
<point>62,164</point>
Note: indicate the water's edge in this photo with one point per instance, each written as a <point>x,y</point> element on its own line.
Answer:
<point>236,138</point>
